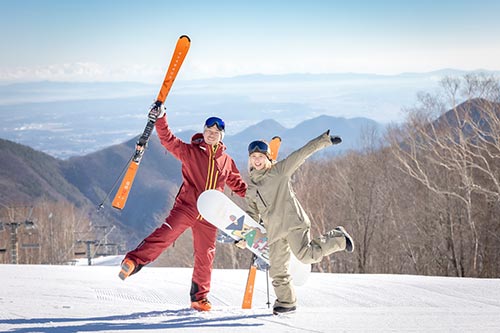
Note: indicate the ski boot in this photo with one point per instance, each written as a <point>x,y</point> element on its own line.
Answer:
<point>201,305</point>
<point>349,243</point>
<point>281,309</point>
<point>127,268</point>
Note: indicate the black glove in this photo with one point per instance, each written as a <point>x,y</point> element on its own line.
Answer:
<point>335,139</point>
<point>157,111</point>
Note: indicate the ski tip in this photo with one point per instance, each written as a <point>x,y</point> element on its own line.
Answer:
<point>185,36</point>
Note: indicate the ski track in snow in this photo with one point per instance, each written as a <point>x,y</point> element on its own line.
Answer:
<point>93,299</point>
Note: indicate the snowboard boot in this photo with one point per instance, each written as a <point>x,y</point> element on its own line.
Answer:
<point>281,309</point>
<point>336,240</point>
<point>349,243</point>
<point>201,305</point>
<point>127,268</point>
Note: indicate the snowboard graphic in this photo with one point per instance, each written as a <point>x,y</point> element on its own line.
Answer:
<point>218,209</point>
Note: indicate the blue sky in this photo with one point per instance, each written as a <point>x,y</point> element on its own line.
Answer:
<point>104,40</point>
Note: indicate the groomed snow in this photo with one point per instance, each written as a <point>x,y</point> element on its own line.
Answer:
<point>38,298</point>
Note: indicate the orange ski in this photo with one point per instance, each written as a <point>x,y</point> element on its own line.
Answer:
<point>124,189</point>
<point>274,145</point>
<point>247,298</point>
<point>178,57</point>
<point>181,50</point>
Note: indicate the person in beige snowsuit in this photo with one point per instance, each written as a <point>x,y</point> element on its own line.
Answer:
<point>272,201</point>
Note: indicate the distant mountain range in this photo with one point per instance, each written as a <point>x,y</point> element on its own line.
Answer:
<point>66,119</point>
<point>292,138</point>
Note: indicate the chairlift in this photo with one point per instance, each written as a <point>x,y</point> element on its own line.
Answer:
<point>29,225</point>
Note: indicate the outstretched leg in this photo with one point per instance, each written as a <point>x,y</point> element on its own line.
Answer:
<point>307,251</point>
<point>153,245</point>
<point>312,251</point>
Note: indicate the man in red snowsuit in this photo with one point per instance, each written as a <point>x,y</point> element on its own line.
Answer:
<point>205,166</point>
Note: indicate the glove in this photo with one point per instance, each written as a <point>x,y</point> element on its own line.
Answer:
<point>241,244</point>
<point>335,139</point>
<point>260,264</point>
<point>157,111</point>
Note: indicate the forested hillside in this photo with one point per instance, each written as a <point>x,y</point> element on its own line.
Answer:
<point>426,203</point>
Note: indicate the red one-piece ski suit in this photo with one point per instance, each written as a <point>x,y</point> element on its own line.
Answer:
<point>202,169</point>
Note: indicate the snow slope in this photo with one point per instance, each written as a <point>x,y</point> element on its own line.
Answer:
<point>37,298</point>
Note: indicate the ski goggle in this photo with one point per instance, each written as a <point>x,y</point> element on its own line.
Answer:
<point>217,122</point>
<point>258,146</point>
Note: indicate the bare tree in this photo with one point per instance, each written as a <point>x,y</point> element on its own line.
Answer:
<point>455,155</point>
<point>349,190</point>
<point>47,230</point>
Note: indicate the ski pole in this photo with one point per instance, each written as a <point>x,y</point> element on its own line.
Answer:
<point>101,205</point>
<point>267,282</point>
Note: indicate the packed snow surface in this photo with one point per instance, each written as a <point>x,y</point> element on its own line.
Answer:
<point>79,298</point>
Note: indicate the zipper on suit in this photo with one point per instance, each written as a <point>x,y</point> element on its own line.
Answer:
<point>212,173</point>
<point>261,199</point>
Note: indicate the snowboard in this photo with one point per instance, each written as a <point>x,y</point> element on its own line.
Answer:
<point>222,212</point>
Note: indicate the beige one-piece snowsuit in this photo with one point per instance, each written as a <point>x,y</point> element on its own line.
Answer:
<point>271,199</point>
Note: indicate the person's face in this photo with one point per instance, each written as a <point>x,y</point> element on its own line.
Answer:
<point>258,160</point>
<point>211,135</point>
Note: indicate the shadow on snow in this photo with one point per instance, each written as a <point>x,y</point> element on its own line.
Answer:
<point>183,318</point>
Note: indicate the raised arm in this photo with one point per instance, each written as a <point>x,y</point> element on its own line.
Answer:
<point>290,164</point>
<point>173,144</point>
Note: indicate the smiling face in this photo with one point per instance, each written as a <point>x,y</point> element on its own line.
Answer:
<point>211,135</point>
<point>258,161</point>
